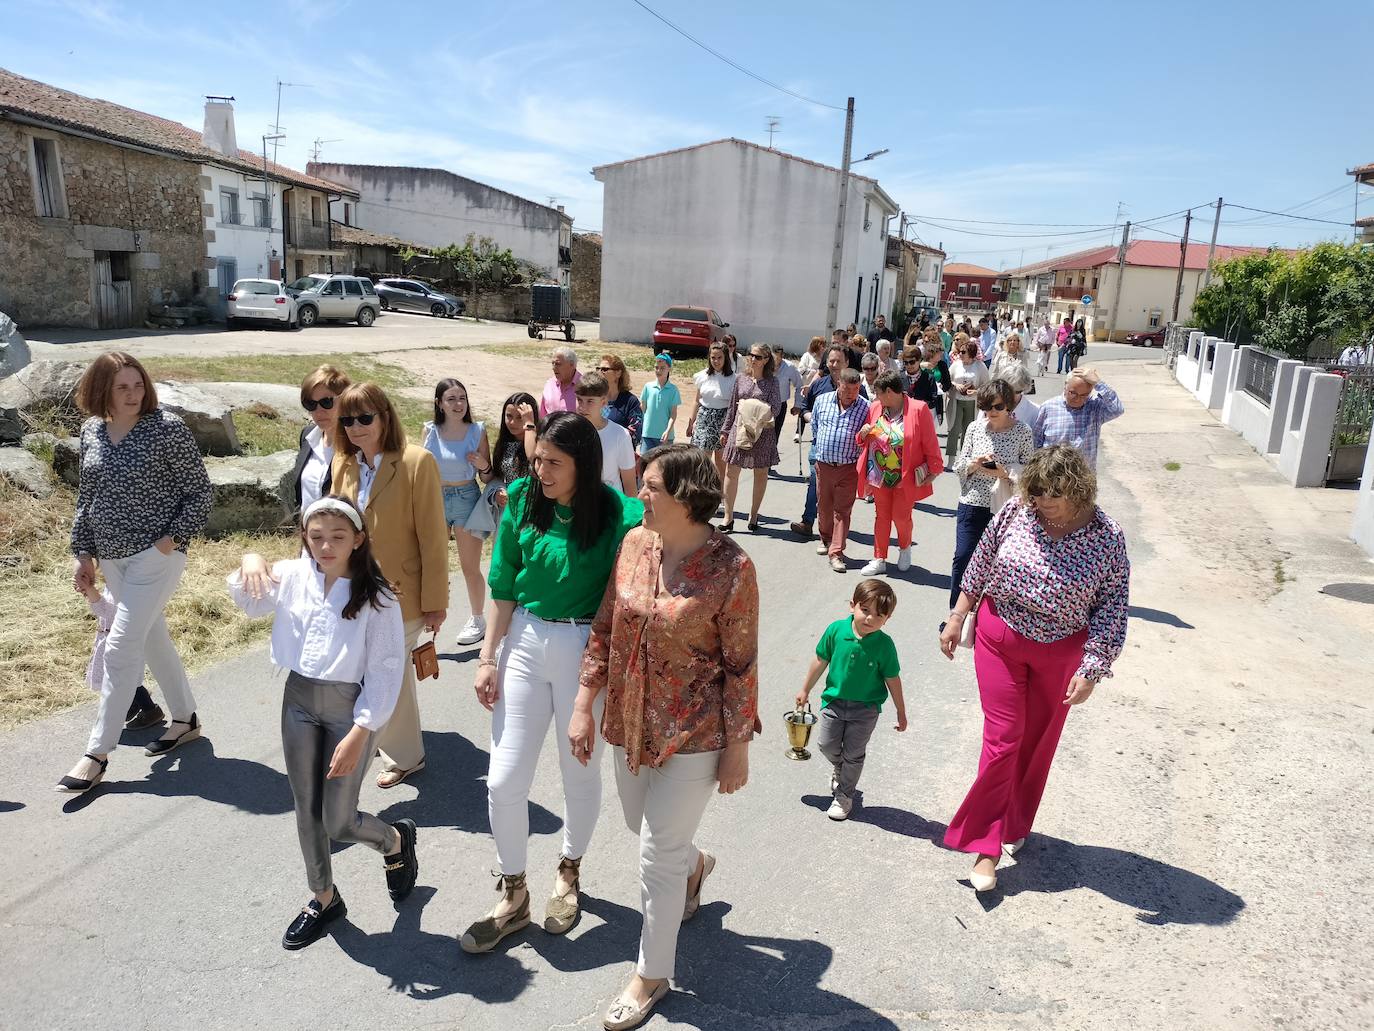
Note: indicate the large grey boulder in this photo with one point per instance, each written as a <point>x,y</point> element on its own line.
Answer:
<point>14,352</point>
<point>250,493</point>
<point>209,420</point>
<point>286,401</point>
<point>25,471</point>
<point>39,393</point>
<point>66,460</point>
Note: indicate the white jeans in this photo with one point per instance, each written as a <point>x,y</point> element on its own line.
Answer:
<point>537,672</point>
<point>664,806</point>
<point>141,585</point>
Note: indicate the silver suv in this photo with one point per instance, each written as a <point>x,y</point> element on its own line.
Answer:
<point>350,298</point>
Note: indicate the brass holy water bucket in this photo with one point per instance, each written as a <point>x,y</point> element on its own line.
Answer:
<point>799,723</point>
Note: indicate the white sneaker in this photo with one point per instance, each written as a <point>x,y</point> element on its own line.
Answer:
<point>796,438</point>
<point>473,631</point>
<point>904,559</point>
<point>875,568</point>
<point>839,808</point>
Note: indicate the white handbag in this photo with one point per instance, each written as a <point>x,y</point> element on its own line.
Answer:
<point>969,629</point>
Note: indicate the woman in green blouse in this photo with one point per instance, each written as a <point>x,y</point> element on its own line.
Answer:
<point>552,556</point>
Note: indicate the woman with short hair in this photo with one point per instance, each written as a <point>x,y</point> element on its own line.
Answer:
<point>1049,583</point>
<point>751,442</point>
<point>553,554</point>
<point>144,494</point>
<point>674,650</point>
<point>320,392</point>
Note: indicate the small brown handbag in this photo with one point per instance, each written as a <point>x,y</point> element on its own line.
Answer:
<point>426,659</point>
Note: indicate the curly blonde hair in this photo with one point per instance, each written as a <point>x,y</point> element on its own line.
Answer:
<point>1059,470</point>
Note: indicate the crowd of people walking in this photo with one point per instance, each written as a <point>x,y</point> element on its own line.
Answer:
<point>617,606</point>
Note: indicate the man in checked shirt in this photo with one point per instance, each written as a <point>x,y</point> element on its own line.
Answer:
<point>1077,417</point>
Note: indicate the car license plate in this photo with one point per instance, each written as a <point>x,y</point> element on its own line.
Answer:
<point>681,329</point>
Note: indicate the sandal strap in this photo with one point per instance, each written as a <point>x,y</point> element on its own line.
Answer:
<point>102,763</point>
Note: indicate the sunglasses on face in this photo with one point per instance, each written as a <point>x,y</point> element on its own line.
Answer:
<point>325,402</point>
<point>604,368</point>
<point>911,361</point>
<point>759,357</point>
<point>1041,492</point>
<point>999,407</point>
<point>362,419</point>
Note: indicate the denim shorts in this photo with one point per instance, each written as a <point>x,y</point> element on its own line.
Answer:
<point>459,503</point>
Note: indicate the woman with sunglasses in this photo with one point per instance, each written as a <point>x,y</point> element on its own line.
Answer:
<point>1050,585</point>
<point>757,383</point>
<point>396,487</point>
<point>995,448</point>
<point>927,373</point>
<point>319,392</point>
<point>622,406</point>
<point>967,373</point>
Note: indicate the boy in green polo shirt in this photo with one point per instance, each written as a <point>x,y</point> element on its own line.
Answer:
<point>863,670</point>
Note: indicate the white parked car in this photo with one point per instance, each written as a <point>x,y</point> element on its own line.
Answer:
<point>260,300</point>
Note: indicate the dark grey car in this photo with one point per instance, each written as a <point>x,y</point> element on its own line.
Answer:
<point>412,295</point>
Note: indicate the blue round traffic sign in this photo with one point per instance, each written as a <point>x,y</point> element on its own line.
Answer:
<point>1087,298</point>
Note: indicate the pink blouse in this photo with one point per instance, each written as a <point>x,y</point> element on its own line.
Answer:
<point>1047,590</point>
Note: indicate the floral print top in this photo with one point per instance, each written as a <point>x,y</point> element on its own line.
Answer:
<point>885,456</point>
<point>150,485</point>
<point>1047,590</point>
<point>680,666</point>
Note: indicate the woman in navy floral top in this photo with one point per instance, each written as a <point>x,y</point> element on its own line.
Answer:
<point>144,494</point>
<point>1050,581</point>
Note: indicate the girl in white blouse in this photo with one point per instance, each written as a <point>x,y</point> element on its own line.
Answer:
<point>339,634</point>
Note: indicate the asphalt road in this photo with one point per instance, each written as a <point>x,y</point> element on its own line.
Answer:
<point>159,899</point>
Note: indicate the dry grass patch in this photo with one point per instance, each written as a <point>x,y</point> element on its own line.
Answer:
<point>276,368</point>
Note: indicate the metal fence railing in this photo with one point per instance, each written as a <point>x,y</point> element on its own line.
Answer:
<point>1354,416</point>
<point>1260,373</point>
<point>1175,342</point>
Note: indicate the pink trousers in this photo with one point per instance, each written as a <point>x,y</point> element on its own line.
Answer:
<point>887,510</point>
<point>1022,684</point>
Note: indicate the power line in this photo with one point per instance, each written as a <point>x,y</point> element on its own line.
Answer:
<point>734,64</point>
<point>1302,218</point>
<point>985,222</point>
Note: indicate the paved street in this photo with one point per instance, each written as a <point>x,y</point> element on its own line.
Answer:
<point>1183,874</point>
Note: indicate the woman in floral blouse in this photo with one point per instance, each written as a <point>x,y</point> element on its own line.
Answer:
<point>1050,580</point>
<point>675,646</point>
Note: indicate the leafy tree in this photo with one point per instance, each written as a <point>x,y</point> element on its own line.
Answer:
<point>1286,331</point>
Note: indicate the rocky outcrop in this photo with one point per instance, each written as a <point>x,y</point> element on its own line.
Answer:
<point>25,471</point>
<point>250,493</point>
<point>286,401</point>
<point>66,460</point>
<point>14,352</point>
<point>209,419</point>
<point>39,394</point>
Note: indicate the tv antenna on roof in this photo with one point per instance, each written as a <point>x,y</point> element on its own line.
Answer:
<point>319,146</point>
<point>773,122</point>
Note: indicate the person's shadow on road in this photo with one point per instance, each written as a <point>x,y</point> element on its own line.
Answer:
<point>1159,892</point>
<point>427,966</point>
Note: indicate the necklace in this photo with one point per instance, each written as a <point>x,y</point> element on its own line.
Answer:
<point>565,520</point>
<point>1056,525</point>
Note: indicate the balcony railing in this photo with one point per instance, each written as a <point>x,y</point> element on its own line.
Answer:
<point>307,235</point>
<point>1070,293</point>
<point>565,255</point>
<point>231,218</point>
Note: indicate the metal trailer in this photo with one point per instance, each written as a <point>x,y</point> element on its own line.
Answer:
<point>551,308</point>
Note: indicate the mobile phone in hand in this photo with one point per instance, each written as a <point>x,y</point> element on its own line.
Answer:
<point>988,465</point>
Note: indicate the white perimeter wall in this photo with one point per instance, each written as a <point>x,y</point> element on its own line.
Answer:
<point>745,231</point>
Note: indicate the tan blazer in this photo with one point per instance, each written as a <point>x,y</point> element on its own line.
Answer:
<point>405,519</point>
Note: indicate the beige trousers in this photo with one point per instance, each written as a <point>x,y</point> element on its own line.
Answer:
<point>399,742</point>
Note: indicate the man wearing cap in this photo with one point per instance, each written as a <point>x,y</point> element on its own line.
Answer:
<point>660,401</point>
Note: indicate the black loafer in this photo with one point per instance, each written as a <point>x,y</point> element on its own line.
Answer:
<point>402,867</point>
<point>310,923</point>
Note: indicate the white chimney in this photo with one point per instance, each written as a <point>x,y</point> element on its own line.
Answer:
<point>219,128</point>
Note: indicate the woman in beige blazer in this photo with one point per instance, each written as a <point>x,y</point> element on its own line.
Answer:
<point>396,485</point>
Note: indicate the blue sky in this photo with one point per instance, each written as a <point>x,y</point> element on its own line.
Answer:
<point>1012,112</point>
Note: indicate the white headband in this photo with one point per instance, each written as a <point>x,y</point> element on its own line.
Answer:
<point>333,505</point>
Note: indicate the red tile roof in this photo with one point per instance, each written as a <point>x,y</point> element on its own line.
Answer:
<point>958,268</point>
<point>742,143</point>
<point>1140,253</point>
<point>61,108</point>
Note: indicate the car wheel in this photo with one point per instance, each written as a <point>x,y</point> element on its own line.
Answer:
<point>308,316</point>
<point>230,322</point>
<point>569,332</point>
<point>366,316</point>
<point>386,305</point>
<point>533,330</point>
<point>437,310</point>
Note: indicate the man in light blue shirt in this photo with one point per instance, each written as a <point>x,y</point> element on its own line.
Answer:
<point>987,340</point>
<point>1078,416</point>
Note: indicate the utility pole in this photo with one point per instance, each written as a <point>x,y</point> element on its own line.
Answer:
<point>1212,247</point>
<point>1120,279</point>
<point>1182,260</point>
<point>832,308</point>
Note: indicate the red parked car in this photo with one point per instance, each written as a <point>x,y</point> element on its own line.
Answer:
<point>1149,338</point>
<point>688,328</point>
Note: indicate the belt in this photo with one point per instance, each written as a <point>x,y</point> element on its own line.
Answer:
<point>457,483</point>
<point>570,620</point>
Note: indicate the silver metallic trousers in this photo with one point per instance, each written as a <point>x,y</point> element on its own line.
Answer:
<point>315,716</point>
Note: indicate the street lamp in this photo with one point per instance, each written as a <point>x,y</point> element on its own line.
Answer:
<point>870,156</point>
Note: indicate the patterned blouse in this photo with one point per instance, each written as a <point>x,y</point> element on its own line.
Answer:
<point>150,485</point>
<point>885,456</point>
<point>1012,447</point>
<point>1047,590</point>
<point>680,667</point>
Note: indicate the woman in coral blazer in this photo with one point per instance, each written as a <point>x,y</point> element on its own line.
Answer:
<point>899,457</point>
<point>399,495</point>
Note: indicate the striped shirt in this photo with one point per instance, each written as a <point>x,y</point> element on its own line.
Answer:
<point>836,430</point>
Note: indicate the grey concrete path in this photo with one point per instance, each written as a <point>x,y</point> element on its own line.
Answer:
<point>1184,872</point>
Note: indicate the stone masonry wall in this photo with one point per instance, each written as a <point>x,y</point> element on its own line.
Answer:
<point>117,200</point>
<point>586,275</point>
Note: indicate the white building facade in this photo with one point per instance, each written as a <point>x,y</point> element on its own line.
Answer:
<point>742,229</point>
<point>436,208</point>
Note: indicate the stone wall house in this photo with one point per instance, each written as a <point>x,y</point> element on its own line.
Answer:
<point>370,254</point>
<point>586,275</point>
<point>105,210</point>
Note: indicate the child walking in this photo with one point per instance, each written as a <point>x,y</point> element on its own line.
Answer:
<point>338,632</point>
<point>863,670</point>
<point>143,711</point>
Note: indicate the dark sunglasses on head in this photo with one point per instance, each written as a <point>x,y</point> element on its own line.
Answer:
<point>362,419</point>
<point>1040,492</point>
<point>325,402</point>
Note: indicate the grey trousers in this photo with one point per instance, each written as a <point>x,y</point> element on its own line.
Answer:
<point>842,737</point>
<point>315,717</point>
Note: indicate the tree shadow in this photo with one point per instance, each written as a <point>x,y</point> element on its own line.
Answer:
<point>452,790</point>
<point>744,981</point>
<point>427,966</point>
<point>194,771</point>
<point>1159,616</point>
<point>1159,892</point>
<point>11,807</point>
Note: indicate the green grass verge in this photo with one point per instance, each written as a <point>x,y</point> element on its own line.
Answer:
<point>276,368</point>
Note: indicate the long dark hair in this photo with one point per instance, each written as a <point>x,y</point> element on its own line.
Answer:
<point>576,437</point>
<point>366,584</point>
<point>504,439</point>
<point>443,387</point>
